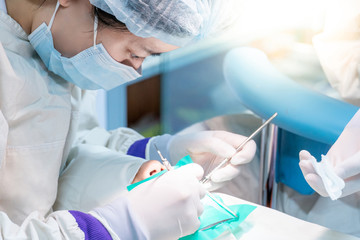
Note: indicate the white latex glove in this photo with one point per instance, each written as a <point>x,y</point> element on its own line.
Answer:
<point>344,157</point>
<point>167,207</point>
<point>209,148</point>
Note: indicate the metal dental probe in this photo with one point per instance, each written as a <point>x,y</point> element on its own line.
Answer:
<point>169,167</point>
<point>226,160</point>
<point>163,159</point>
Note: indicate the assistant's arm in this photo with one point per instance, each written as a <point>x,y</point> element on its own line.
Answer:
<point>338,48</point>
<point>73,225</point>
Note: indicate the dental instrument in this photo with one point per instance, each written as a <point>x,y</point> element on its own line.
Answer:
<point>163,159</point>
<point>169,167</point>
<point>227,160</point>
<point>226,208</point>
<point>214,224</point>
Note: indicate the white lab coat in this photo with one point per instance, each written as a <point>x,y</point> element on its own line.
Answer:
<point>42,118</point>
<point>338,48</point>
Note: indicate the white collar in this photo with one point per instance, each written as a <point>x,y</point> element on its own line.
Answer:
<point>3,6</point>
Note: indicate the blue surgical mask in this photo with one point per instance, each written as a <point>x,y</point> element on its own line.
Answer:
<point>92,68</point>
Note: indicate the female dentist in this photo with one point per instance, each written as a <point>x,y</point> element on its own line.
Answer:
<point>51,54</point>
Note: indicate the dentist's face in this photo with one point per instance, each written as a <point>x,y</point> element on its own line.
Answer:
<point>73,32</point>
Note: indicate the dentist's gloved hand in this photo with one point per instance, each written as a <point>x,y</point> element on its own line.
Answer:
<point>167,207</point>
<point>344,156</point>
<point>209,148</point>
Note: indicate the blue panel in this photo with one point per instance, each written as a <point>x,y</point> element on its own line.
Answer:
<point>194,93</point>
<point>116,108</point>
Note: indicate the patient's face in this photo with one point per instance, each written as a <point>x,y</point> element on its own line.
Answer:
<point>148,169</point>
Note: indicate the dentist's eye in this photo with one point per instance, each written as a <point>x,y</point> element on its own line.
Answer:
<point>134,56</point>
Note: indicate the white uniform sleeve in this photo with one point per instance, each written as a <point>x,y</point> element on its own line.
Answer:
<point>95,176</point>
<point>58,225</point>
<point>30,161</point>
<point>73,225</point>
<point>338,48</point>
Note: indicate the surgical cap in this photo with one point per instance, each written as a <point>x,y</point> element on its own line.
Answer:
<point>177,22</point>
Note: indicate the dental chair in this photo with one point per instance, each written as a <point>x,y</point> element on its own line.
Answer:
<point>306,119</point>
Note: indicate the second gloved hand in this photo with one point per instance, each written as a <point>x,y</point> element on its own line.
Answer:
<point>343,156</point>
<point>348,170</point>
<point>167,207</point>
<point>209,148</point>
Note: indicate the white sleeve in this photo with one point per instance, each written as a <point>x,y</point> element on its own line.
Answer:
<point>59,225</point>
<point>30,161</point>
<point>94,176</point>
<point>338,48</point>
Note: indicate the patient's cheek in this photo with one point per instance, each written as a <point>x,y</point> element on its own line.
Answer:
<point>138,177</point>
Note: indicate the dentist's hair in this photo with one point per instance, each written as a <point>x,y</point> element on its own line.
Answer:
<point>107,20</point>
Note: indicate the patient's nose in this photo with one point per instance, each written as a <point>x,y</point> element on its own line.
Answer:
<point>156,167</point>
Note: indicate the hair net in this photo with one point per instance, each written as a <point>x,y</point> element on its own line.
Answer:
<point>176,22</point>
